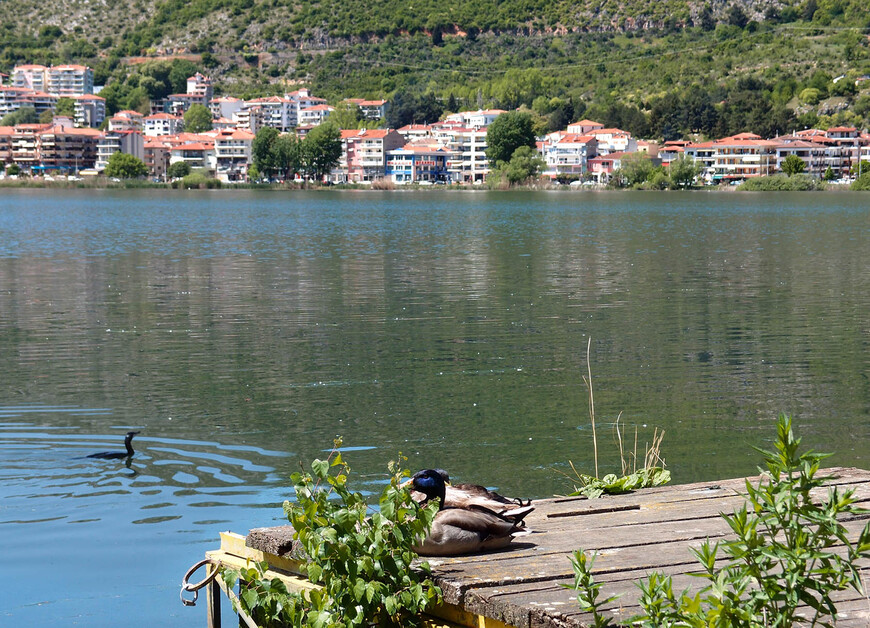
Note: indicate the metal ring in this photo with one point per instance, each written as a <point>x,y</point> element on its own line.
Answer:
<point>194,588</point>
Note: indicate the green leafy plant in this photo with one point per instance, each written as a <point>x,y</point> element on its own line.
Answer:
<point>791,550</point>
<point>362,560</point>
<point>588,590</point>
<point>612,484</point>
<point>651,471</point>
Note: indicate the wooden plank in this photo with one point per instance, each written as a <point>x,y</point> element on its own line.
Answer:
<point>634,534</point>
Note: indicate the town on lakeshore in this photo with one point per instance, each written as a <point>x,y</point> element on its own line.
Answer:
<point>452,150</point>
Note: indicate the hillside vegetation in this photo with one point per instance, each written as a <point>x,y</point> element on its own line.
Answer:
<point>662,67</point>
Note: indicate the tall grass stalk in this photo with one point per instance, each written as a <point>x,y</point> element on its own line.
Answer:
<point>588,380</point>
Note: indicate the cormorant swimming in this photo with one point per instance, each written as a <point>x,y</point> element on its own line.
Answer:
<point>117,455</point>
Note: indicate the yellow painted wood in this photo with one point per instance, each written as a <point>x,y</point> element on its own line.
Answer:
<point>293,582</point>
<point>443,616</point>
<point>457,616</point>
<point>234,544</point>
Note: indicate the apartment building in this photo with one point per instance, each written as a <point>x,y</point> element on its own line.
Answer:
<point>127,120</point>
<point>10,98</point>
<point>30,76</point>
<point>364,154</point>
<point>6,133</point>
<point>742,157</point>
<point>274,111</point>
<point>196,154</point>
<point>162,124</point>
<point>474,119</point>
<point>414,163</point>
<point>90,110</point>
<point>568,153</point>
<point>129,142</point>
<point>70,80</point>
<point>156,157</point>
<point>225,106</point>
<point>232,149</point>
<point>200,86</point>
<point>468,162</point>
<point>314,116</point>
<point>302,99</point>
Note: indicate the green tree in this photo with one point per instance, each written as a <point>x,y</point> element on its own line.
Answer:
<point>793,165</point>
<point>13,170</point>
<point>179,72</point>
<point>860,169</point>
<point>65,107</point>
<point>262,150</point>
<point>287,154</point>
<point>829,174</point>
<point>24,115</point>
<point>346,116</point>
<point>737,16</point>
<point>125,166</point>
<point>525,164</point>
<point>253,173</point>
<point>706,20</point>
<point>683,171</point>
<point>197,119</point>
<point>320,150</point>
<point>506,134</point>
<point>178,170</point>
<point>46,116</point>
<point>138,100</point>
<point>634,169</point>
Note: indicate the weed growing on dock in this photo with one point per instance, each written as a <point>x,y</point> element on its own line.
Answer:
<point>651,473</point>
<point>362,561</point>
<point>791,550</point>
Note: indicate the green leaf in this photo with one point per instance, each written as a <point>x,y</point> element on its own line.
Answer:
<point>320,468</point>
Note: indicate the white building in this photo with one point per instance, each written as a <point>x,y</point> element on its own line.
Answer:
<point>274,111</point>
<point>70,80</point>
<point>225,106</point>
<point>162,124</point>
<point>33,77</point>
<point>315,115</point>
<point>90,110</point>
<point>232,150</point>
<point>302,99</point>
<point>126,120</point>
<point>569,153</point>
<point>474,119</point>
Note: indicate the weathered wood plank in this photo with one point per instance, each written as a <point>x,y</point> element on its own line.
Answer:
<point>634,534</point>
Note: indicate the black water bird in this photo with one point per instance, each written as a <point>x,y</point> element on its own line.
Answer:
<point>461,530</point>
<point>117,455</point>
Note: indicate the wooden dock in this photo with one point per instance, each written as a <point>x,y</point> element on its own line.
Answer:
<point>634,535</point>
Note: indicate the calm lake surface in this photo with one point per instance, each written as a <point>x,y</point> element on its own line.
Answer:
<point>242,331</point>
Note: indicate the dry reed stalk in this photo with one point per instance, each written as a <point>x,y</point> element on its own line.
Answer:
<point>588,381</point>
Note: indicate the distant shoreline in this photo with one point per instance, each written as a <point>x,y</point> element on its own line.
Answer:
<point>135,184</point>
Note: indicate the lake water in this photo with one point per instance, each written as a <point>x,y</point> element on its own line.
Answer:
<point>241,331</point>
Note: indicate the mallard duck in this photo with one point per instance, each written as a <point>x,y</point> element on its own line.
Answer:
<point>466,495</point>
<point>461,530</point>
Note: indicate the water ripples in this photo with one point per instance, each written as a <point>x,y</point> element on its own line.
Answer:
<point>47,469</point>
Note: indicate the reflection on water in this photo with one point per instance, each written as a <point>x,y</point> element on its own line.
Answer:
<point>240,332</point>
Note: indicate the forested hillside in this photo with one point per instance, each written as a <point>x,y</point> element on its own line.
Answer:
<point>660,68</point>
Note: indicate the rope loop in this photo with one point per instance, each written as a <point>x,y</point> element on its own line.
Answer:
<point>194,588</point>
